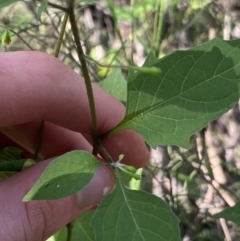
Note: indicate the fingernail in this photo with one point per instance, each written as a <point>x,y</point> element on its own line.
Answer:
<point>101,184</point>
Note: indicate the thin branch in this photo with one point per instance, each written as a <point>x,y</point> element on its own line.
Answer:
<point>56,53</point>
<point>85,72</point>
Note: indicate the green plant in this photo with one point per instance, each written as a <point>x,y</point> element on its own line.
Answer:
<point>168,106</point>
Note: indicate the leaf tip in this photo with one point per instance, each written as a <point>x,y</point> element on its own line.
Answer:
<point>26,198</point>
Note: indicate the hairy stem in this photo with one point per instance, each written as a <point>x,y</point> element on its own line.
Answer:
<point>85,72</point>
<point>56,53</point>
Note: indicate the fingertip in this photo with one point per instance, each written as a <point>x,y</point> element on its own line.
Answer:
<point>131,145</point>
<point>101,184</point>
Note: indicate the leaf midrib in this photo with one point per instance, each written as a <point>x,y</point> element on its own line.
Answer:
<point>130,211</point>
<point>144,111</point>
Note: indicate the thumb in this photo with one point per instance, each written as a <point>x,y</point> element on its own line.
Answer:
<point>38,220</point>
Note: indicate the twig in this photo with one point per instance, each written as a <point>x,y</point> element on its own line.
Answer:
<point>56,53</point>
<point>85,72</point>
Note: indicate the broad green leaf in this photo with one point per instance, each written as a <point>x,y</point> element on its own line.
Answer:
<point>195,87</point>
<point>5,3</point>
<point>230,214</point>
<point>134,216</point>
<point>116,85</point>
<point>64,176</point>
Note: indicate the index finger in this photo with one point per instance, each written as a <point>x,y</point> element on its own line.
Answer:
<point>38,86</point>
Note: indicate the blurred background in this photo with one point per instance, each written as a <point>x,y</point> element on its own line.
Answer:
<point>199,182</point>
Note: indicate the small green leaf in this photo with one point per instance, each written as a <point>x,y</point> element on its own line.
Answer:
<point>116,85</point>
<point>16,165</point>
<point>10,153</point>
<point>136,184</point>
<point>28,163</point>
<point>134,216</point>
<point>195,87</point>
<point>64,176</point>
<point>230,214</point>
<point>11,162</point>
<point>6,39</point>
<point>42,8</point>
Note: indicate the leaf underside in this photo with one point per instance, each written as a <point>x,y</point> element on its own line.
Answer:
<point>132,215</point>
<point>195,87</point>
<point>230,214</point>
<point>116,85</point>
<point>82,229</point>
<point>64,176</point>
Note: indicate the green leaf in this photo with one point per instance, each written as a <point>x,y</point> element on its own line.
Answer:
<point>6,39</point>
<point>10,153</point>
<point>5,3</point>
<point>81,228</point>
<point>64,176</point>
<point>230,214</point>
<point>116,85</point>
<point>42,8</point>
<point>134,216</point>
<point>195,87</point>
<point>15,165</point>
<point>61,235</point>
<point>136,184</point>
<point>11,162</point>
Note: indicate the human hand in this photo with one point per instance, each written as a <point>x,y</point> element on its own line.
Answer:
<point>36,86</point>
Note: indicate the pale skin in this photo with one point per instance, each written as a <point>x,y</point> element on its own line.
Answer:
<point>35,86</point>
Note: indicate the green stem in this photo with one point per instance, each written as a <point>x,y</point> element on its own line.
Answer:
<point>147,70</point>
<point>56,53</point>
<point>85,72</point>
<point>158,26</point>
<point>61,34</point>
<point>105,154</point>
<point>39,139</point>
<point>111,8</point>
<point>156,16</point>
<point>132,30</point>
